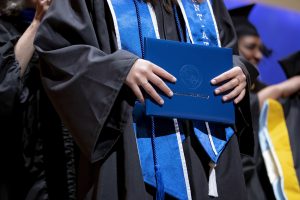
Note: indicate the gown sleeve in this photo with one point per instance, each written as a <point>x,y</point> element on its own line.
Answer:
<point>83,79</point>
<point>228,39</point>
<point>10,81</point>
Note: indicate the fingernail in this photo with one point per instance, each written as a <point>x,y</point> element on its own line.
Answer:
<point>161,102</point>
<point>213,81</point>
<point>225,98</point>
<point>171,94</point>
<point>217,91</point>
<point>174,79</point>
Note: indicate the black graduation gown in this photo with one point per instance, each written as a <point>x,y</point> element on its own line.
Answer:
<point>256,177</point>
<point>291,107</point>
<point>36,159</point>
<point>84,73</point>
<point>254,169</point>
<point>6,115</point>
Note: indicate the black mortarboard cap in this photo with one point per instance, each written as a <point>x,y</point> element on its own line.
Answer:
<point>241,22</point>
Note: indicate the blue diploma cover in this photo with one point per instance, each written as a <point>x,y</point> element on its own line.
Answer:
<point>194,66</point>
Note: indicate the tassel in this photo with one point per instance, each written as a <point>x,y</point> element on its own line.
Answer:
<point>212,183</point>
<point>160,190</point>
<point>160,194</point>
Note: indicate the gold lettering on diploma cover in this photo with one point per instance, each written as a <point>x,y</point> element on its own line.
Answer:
<point>195,95</point>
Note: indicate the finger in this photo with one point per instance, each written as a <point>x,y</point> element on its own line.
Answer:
<point>151,91</point>
<point>43,2</point>
<point>163,74</point>
<point>138,93</point>
<point>226,75</point>
<point>228,86</point>
<point>160,84</point>
<point>49,2</point>
<point>240,97</point>
<point>46,7</point>
<point>234,93</point>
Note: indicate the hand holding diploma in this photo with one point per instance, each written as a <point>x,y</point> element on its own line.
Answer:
<point>142,73</point>
<point>236,82</point>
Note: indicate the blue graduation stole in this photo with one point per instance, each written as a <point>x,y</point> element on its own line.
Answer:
<point>162,159</point>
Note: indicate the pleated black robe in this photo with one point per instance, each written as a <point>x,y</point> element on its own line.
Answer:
<point>83,74</point>
<point>36,151</point>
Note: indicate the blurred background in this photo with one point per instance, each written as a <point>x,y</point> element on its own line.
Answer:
<point>278,23</point>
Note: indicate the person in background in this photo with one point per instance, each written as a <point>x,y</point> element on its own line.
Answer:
<point>251,48</point>
<point>36,151</point>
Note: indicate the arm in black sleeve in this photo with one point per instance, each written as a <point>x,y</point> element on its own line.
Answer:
<point>228,39</point>
<point>83,81</point>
